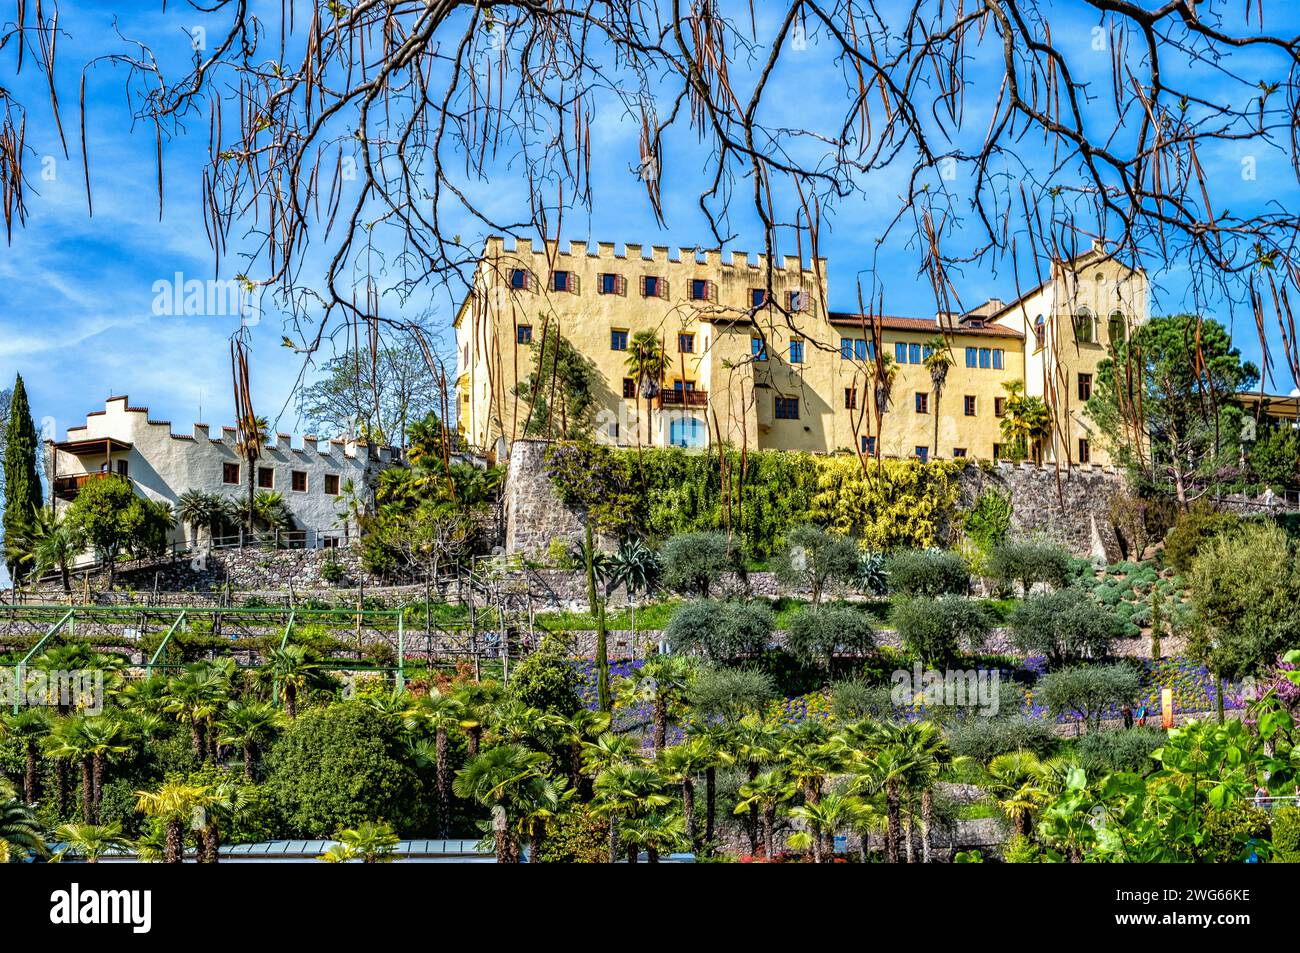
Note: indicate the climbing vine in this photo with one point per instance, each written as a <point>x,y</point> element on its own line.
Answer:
<point>887,505</point>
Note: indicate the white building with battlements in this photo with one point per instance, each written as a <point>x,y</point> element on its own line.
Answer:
<point>161,465</point>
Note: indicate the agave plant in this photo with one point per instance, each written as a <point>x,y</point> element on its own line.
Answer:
<point>872,577</point>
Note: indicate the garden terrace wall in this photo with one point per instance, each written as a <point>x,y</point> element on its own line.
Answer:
<point>1070,505</point>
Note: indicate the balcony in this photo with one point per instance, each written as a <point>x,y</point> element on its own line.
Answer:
<point>67,488</point>
<point>676,397</point>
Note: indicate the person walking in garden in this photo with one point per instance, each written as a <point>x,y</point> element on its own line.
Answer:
<point>1127,712</point>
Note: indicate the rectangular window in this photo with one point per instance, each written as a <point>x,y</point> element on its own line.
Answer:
<point>958,452</point>
<point>298,481</point>
<point>652,286</point>
<point>618,340</point>
<point>121,468</point>
<point>1085,386</point>
<point>797,300</point>
<point>757,349</point>
<point>986,358</point>
<point>519,279</point>
<point>230,473</point>
<point>846,349</point>
<point>862,349</point>
<point>266,478</point>
<point>923,453</point>
<point>331,484</point>
<point>970,356</point>
<point>796,351</point>
<point>997,451</point>
<point>999,406</point>
<point>997,359</point>
<point>850,398</point>
<point>922,402</point>
<point>969,402</point>
<point>786,408</point>
<point>914,354</point>
<point>869,445</point>
<point>562,281</point>
<point>611,284</point>
<point>700,290</point>
<point>629,388</point>
<point>1085,452</point>
<point>524,334</point>
<point>900,353</point>
<point>686,343</point>
<point>757,297</point>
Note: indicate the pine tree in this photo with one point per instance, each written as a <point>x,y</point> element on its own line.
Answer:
<point>22,483</point>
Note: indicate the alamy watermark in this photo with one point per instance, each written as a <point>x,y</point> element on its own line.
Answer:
<point>78,689</point>
<point>951,688</point>
<point>194,297</point>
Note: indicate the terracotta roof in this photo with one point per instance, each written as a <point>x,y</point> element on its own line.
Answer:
<point>923,325</point>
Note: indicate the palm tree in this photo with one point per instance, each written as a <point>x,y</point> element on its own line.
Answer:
<point>1027,423</point>
<point>291,670</point>
<point>766,793</point>
<point>373,842</point>
<point>199,511</point>
<point>441,714</point>
<point>929,754</point>
<point>251,437</point>
<point>72,741</point>
<point>753,743</point>
<point>195,698</point>
<point>824,818</point>
<point>29,726</point>
<point>89,841</point>
<point>1015,781</point>
<point>51,542</point>
<point>476,700</point>
<point>582,728</point>
<point>647,362</point>
<point>19,828</point>
<point>882,762</point>
<point>886,372</point>
<point>174,803</point>
<point>937,363</point>
<point>635,566</point>
<point>248,726</point>
<point>682,764</point>
<point>627,792</point>
<point>656,833</point>
<point>496,778</point>
<point>663,681</point>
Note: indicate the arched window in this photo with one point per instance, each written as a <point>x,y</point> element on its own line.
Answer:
<point>1040,332</point>
<point>1116,331</point>
<point>1083,330</point>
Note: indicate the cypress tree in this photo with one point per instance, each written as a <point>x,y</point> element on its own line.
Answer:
<point>22,483</point>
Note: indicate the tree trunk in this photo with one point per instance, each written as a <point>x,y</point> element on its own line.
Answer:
<point>97,792</point>
<point>174,851</point>
<point>291,700</point>
<point>196,739</point>
<point>651,855</point>
<point>907,833</point>
<point>30,790</point>
<point>927,812</point>
<point>472,738</point>
<point>444,783</point>
<point>87,790</point>
<point>892,831</point>
<point>661,721</point>
<point>751,823</point>
<point>248,760</point>
<point>688,809</point>
<point>613,837</point>
<point>769,825</point>
<point>710,802</point>
<point>61,787</point>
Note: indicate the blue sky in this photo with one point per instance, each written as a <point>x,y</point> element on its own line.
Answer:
<point>77,319</point>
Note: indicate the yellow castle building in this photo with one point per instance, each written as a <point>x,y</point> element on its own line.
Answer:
<point>754,357</point>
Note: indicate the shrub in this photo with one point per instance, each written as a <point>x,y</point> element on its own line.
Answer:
<point>1106,752</point>
<point>547,682</point>
<point>818,635</point>
<point>983,739</point>
<point>1064,626</point>
<point>813,558</point>
<point>694,562</point>
<point>1192,530</point>
<point>332,572</point>
<point>872,578</point>
<point>988,521</point>
<point>1286,835</point>
<point>729,693</point>
<point>335,767</point>
<point>855,699</point>
<point>576,837</point>
<point>721,630</point>
<point>1030,562</point>
<point>1228,832</point>
<point>927,572</point>
<point>1086,691</point>
<point>935,629</point>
